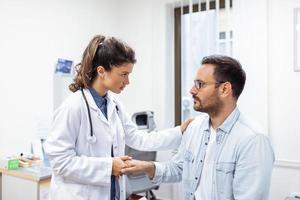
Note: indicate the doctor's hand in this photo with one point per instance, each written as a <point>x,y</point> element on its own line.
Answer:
<point>118,163</point>
<point>185,124</point>
<point>137,166</point>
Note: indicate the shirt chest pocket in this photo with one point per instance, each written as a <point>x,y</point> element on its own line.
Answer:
<point>224,177</point>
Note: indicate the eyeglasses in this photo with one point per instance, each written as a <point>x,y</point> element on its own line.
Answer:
<point>201,84</point>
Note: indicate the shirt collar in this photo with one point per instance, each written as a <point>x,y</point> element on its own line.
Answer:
<point>98,99</point>
<point>227,125</point>
<point>230,120</point>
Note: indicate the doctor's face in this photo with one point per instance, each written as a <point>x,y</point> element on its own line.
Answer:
<point>205,91</point>
<point>117,78</point>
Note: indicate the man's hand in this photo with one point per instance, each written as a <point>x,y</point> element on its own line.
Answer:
<point>185,124</point>
<point>118,164</point>
<point>136,166</point>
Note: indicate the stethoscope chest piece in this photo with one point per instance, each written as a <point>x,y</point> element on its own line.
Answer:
<point>91,139</point>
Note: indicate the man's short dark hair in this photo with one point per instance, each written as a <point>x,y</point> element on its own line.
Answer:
<point>228,69</point>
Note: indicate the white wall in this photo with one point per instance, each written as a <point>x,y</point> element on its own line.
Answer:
<point>33,35</point>
<point>284,82</point>
<point>144,26</point>
<point>250,48</point>
<point>284,98</point>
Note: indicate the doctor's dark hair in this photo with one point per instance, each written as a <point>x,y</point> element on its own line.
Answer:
<point>101,51</point>
<point>228,69</point>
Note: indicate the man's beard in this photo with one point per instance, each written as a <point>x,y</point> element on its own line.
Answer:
<point>213,108</point>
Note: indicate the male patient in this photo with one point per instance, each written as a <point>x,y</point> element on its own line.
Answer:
<point>222,155</point>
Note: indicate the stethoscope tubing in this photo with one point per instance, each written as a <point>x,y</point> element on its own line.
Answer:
<point>89,112</point>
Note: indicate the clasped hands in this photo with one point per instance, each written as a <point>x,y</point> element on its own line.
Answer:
<point>125,164</point>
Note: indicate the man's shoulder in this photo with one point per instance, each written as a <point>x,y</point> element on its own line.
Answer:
<point>195,126</point>
<point>247,132</point>
<point>248,124</point>
<point>246,129</point>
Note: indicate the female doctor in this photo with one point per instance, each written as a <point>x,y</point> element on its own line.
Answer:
<point>86,144</point>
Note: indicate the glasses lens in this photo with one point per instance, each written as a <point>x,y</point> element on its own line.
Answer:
<point>198,84</point>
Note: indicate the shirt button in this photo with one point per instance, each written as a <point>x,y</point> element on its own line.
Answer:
<point>201,160</point>
<point>196,178</point>
<point>205,143</point>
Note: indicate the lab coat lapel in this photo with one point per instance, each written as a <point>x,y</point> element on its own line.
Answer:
<point>111,106</point>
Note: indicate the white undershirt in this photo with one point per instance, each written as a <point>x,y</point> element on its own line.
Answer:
<point>204,190</point>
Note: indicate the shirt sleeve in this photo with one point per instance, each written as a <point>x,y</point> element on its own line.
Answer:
<point>153,141</point>
<point>171,171</point>
<point>253,169</point>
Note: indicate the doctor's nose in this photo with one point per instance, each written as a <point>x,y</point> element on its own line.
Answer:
<point>127,82</point>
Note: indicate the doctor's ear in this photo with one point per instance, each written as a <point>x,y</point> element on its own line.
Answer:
<point>100,71</point>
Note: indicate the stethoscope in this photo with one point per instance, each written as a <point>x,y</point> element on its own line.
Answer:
<point>91,138</point>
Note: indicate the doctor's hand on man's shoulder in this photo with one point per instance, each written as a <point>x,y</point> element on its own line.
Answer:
<point>118,163</point>
<point>185,124</point>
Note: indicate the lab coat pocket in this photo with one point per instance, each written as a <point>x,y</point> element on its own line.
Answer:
<point>224,178</point>
<point>72,190</point>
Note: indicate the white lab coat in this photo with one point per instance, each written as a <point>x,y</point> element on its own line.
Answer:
<point>82,165</point>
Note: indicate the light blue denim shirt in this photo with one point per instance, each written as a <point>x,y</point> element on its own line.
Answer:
<point>243,164</point>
